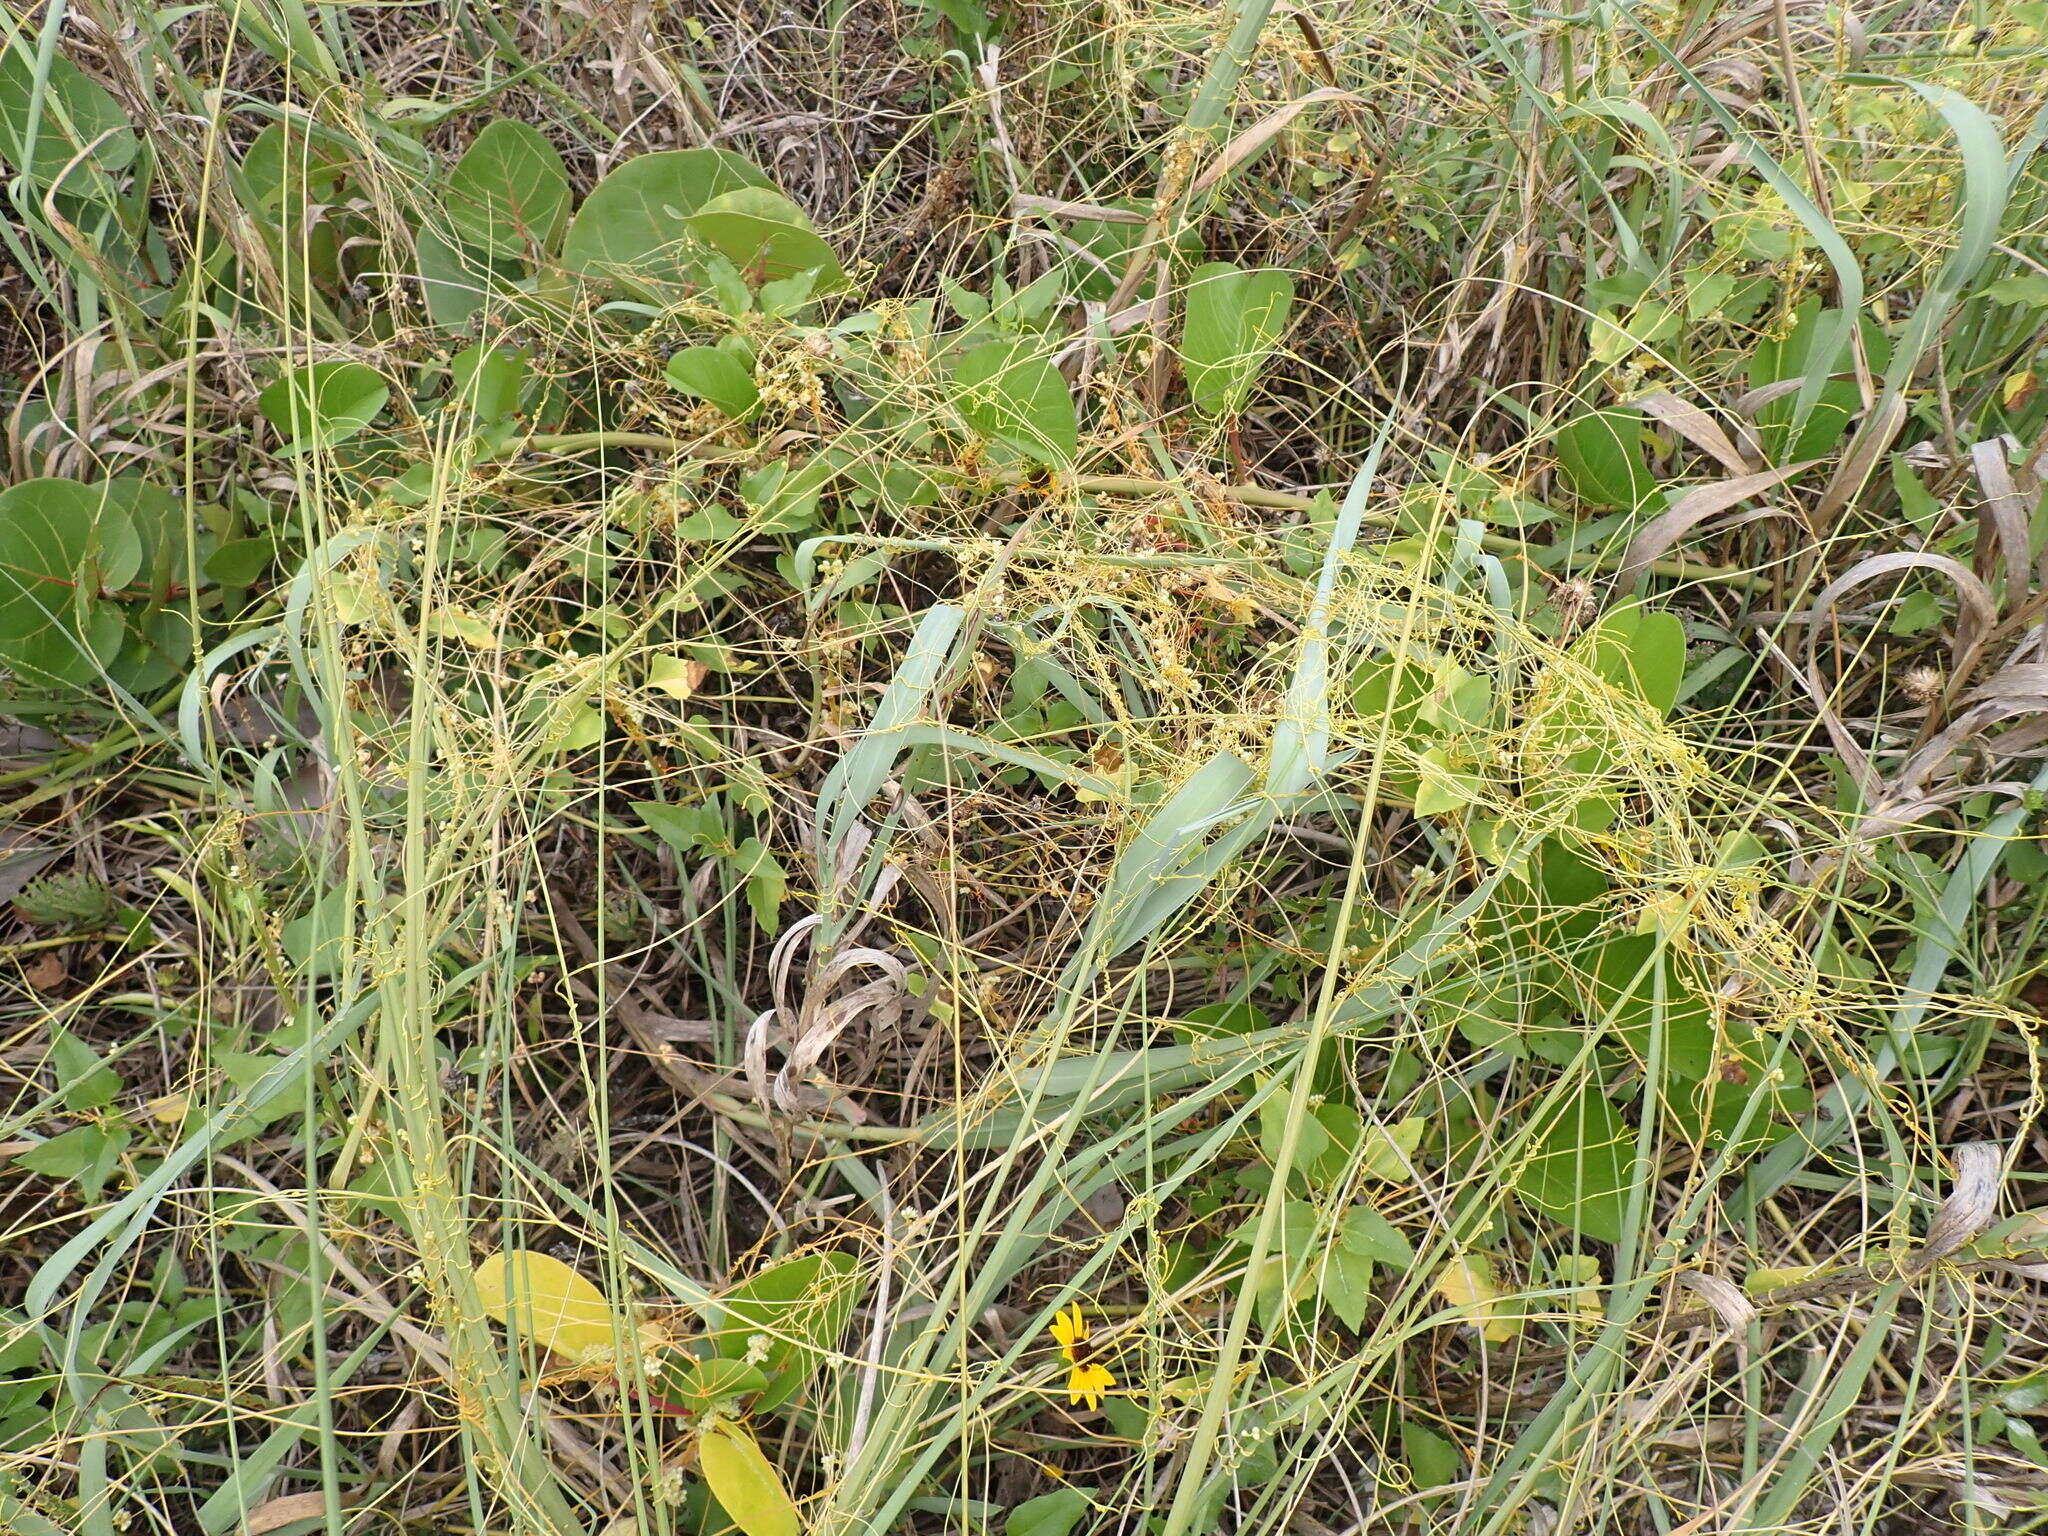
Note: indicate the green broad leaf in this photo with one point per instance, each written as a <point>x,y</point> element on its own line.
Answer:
<point>285,167</point>
<point>1010,394</point>
<point>726,285</point>
<point>1649,324</point>
<point>1347,1285</point>
<point>767,883</point>
<point>1628,975</point>
<point>314,940</point>
<point>547,1301</point>
<point>971,20</point>
<point>1111,242</point>
<point>85,1156</point>
<point>50,550</point>
<point>486,381</point>
<point>766,236</point>
<point>708,523</point>
<point>1365,1231</point>
<point>239,562</point>
<point>706,1385</point>
<point>1295,1252</point>
<point>60,541</point>
<point>1213,1019</point>
<point>635,221</point>
<point>1311,1140</point>
<point>509,194</point>
<point>157,537</point>
<point>1707,293</point>
<point>1640,651</point>
<point>785,499</point>
<point>2028,289</point>
<point>1432,1460</point>
<point>68,656</point>
<point>747,1487</point>
<point>788,1318</point>
<point>454,282</point>
<point>1755,1097</point>
<point>1800,354</point>
<point>709,373</point>
<point>1443,787</point>
<point>685,828</point>
<point>84,1082</point>
<point>60,128</point>
<point>1050,1514</point>
<point>323,404</point>
<point>1579,1172</point>
<point>584,728</point>
<point>1601,455</point>
<point>1233,321</point>
<point>786,296</point>
<point>118,553</point>
<point>1387,1152</point>
<point>1917,612</point>
<point>1342,1129</point>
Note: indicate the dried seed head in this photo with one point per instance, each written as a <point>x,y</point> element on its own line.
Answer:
<point>1572,598</point>
<point>1922,684</point>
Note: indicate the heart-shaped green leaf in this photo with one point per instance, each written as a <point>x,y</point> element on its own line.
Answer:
<point>634,221</point>
<point>767,237</point>
<point>508,195</point>
<point>708,373</point>
<point>1234,319</point>
<point>60,543</point>
<point>48,116</point>
<point>1580,1170</point>
<point>1601,454</point>
<point>323,404</point>
<point>1012,395</point>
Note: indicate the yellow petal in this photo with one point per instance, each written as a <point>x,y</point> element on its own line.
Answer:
<point>1087,1383</point>
<point>1069,1327</point>
<point>554,1306</point>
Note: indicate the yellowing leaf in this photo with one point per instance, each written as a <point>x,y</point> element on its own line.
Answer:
<point>1444,788</point>
<point>546,1300</point>
<point>585,728</point>
<point>745,1485</point>
<point>677,676</point>
<point>1388,1153</point>
<point>455,622</point>
<point>1470,1282</point>
<point>357,598</point>
<point>1758,1282</point>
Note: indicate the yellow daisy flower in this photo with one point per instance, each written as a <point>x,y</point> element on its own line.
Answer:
<point>1087,1379</point>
